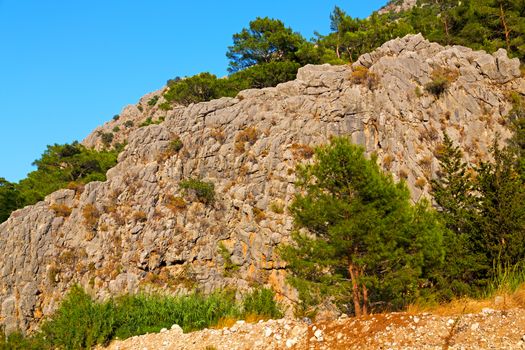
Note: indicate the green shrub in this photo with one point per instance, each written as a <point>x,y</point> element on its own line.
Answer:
<point>165,106</point>
<point>116,117</point>
<point>17,341</point>
<point>80,323</point>
<point>150,121</point>
<point>107,138</point>
<point>204,191</point>
<point>229,266</point>
<point>261,302</point>
<point>441,80</point>
<point>176,145</point>
<point>153,101</point>
<point>277,207</point>
<point>128,123</point>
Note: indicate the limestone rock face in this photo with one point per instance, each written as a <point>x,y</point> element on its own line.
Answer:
<point>131,118</point>
<point>397,6</point>
<point>139,230</point>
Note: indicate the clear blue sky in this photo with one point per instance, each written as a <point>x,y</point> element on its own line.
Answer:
<point>67,66</point>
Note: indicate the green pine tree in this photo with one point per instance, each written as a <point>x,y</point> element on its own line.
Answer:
<point>359,241</point>
<point>502,209</point>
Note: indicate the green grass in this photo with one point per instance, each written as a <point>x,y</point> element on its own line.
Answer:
<point>261,302</point>
<point>506,279</point>
<point>81,323</point>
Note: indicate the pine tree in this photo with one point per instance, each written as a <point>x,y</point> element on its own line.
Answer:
<point>359,242</point>
<point>453,191</point>
<point>502,209</point>
<point>453,188</point>
<point>9,199</point>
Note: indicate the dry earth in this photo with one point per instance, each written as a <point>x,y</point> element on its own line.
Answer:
<point>488,329</point>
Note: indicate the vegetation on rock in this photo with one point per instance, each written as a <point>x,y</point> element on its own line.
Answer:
<point>202,190</point>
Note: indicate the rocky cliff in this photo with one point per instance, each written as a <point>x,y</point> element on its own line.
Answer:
<point>139,229</point>
<point>396,6</point>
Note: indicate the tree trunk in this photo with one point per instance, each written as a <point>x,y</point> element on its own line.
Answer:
<point>359,292</point>
<point>365,300</point>
<point>505,26</point>
<point>445,26</point>
<point>355,289</point>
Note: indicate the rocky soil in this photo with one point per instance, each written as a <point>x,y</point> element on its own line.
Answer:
<point>140,230</point>
<point>488,329</point>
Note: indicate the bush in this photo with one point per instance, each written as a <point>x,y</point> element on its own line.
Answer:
<point>128,123</point>
<point>107,138</point>
<point>361,75</point>
<point>61,209</point>
<point>262,302</point>
<point>153,101</point>
<point>204,191</point>
<point>176,145</point>
<point>150,121</point>
<point>165,106</point>
<point>249,135</point>
<point>91,216</point>
<point>277,207</point>
<point>441,80</point>
<point>229,266</point>
<point>80,323</point>
<point>175,204</point>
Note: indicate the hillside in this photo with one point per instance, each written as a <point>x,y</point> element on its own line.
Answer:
<point>139,229</point>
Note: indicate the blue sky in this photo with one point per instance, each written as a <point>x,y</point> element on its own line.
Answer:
<point>67,66</point>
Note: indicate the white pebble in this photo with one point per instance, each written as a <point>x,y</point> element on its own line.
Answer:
<point>291,342</point>
<point>474,327</point>
<point>177,329</point>
<point>267,332</point>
